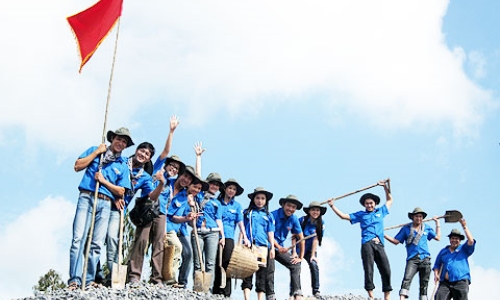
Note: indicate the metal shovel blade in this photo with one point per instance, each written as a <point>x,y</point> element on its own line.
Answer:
<point>207,282</point>
<point>198,281</point>
<point>118,276</point>
<point>452,216</point>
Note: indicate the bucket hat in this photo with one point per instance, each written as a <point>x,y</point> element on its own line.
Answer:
<point>232,181</point>
<point>322,209</point>
<point>198,179</point>
<point>122,131</point>
<point>214,177</point>
<point>417,210</point>
<point>292,199</point>
<point>261,190</point>
<point>369,196</point>
<point>456,232</point>
<point>177,159</point>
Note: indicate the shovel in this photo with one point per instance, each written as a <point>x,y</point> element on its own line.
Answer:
<point>202,280</point>
<point>119,272</point>
<point>352,193</point>
<point>222,270</point>
<point>450,216</point>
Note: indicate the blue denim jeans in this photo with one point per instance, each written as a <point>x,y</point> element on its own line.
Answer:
<point>112,239</point>
<point>81,225</point>
<point>414,265</point>
<point>187,260</point>
<point>208,244</point>
<point>314,269</point>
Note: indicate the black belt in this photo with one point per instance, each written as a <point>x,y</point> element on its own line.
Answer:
<point>99,195</point>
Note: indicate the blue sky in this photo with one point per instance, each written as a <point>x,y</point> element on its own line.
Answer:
<point>315,99</point>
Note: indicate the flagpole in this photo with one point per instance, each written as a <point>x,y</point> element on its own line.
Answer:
<point>94,207</point>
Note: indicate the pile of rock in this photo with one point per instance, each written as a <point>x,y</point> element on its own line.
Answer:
<point>147,292</point>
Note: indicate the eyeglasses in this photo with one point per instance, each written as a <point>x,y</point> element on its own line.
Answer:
<point>174,166</point>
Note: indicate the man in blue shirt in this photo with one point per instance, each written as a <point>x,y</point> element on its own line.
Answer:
<point>418,258</point>
<point>371,221</point>
<point>285,222</point>
<point>114,181</point>
<point>452,269</point>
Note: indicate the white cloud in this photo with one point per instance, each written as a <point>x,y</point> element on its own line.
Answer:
<point>386,60</point>
<point>477,61</point>
<point>32,244</point>
<point>483,279</point>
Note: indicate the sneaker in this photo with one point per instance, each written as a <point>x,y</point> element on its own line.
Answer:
<point>317,295</point>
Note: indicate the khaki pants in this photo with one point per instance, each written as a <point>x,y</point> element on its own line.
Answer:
<point>171,239</point>
<point>154,231</point>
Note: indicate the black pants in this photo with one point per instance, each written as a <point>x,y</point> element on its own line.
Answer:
<point>285,260</point>
<point>457,290</point>
<point>261,283</point>
<point>226,256</point>
<point>374,252</point>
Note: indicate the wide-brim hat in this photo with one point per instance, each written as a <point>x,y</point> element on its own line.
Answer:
<point>261,190</point>
<point>214,177</point>
<point>198,179</point>
<point>292,199</point>
<point>369,196</point>
<point>122,131</point>
<point>322,209</point>
<point>232,181</point>
<point>456,232</point>
<point>417,210</point>
<point>190,171</point>
<point>178,160</point>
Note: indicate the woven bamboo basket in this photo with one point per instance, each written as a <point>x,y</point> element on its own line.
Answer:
<point>243,262</point>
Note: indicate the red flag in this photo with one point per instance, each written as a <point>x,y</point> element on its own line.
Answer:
<point>93,24</point>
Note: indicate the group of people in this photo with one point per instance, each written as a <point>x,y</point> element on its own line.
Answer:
<point>451,267</point>
<point>196,219</point>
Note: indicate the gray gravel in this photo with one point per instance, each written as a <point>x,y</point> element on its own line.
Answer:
<point>148,291</point>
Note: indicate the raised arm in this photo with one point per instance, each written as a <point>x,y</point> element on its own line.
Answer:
<point>438,229</point>
<point>159,187</point>
<point>468,234</point>
<point>174,121</point>
<point>385,183</point>
<point>337,211</point>
<point>198,149</point>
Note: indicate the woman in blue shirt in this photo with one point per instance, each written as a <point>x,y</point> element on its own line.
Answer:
<point>232,216</point>
<point>312,223</point>
<point>259,227</point>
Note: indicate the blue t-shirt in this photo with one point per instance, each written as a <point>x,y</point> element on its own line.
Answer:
<point>212,211</point>
<point>284,225</point>
<point>262,225</point>
<point>309,229</point>
<point>176,208</point>
<point>455,263</point>
<point>421,248</point>
<point>143,183</point>
<point>232,213</point>
<point>371,223</point>
<point>187,209</point>
<point>116,172</point>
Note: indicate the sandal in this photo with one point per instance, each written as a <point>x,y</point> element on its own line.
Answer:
<point>95,285</point>
<point>73,286</point>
